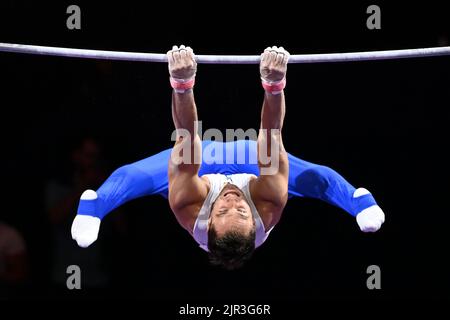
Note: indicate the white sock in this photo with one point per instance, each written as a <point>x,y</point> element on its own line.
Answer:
<point>85,228</point>
<point>371,218</point>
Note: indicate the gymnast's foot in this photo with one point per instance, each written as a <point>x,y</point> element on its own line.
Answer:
<point>85,226</point>
<point>371,218</point>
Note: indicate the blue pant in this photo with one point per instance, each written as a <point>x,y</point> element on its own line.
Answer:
<point>149,176</point>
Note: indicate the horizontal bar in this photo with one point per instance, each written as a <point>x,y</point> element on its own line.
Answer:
<point>228,59</point>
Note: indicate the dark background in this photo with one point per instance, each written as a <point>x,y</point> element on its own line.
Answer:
<point>382,124</point>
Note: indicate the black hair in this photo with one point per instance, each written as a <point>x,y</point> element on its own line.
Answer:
<point>231,250</point>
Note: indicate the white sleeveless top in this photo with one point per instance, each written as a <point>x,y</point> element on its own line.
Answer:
<point>217,183</point>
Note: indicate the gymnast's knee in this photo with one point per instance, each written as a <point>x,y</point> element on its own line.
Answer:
<point>127,172</point>
<point>317,177</point>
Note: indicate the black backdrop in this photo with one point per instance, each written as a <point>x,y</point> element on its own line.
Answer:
<point>382,124</point>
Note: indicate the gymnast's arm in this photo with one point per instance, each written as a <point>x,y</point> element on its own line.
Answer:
<point>270,189</point>
<point>187,190</point>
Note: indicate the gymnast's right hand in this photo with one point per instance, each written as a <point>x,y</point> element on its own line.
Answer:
<point>182,64</point>
<point>85,226</point>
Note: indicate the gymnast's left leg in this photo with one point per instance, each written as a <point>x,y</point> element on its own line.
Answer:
<point>311,180</point>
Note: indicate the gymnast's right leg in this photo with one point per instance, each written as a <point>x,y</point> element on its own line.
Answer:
<point>141,178</point>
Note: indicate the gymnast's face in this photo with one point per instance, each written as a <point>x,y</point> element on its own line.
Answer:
<point>231,211</point>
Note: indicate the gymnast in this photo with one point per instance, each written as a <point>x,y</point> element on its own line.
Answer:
<point>229,207</point>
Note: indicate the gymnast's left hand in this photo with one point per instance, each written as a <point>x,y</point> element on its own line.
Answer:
<point>273,65</point>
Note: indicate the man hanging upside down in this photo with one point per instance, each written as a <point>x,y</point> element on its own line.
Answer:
<point>229,207</point>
